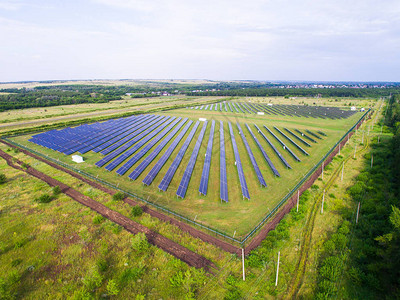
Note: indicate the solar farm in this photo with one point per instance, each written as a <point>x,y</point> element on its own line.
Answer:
<point>224,165</point>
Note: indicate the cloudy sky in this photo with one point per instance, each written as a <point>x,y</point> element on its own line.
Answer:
<point>200,39</point>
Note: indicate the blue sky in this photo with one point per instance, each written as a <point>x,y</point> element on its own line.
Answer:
<point>208,39</point>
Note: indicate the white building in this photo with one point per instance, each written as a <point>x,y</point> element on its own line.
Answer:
<point>77,158</point>
<point>260,113</point>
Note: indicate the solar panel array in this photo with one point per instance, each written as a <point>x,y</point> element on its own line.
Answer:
<point>238,163</point>
<point>323,112</point>
<point>207,162</point>
<point>182,188</point>
<point>222,166</point>
<point>129,142</point>
<point>252,159</point>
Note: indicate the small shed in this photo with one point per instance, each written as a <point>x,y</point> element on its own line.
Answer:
<point>202,119</point>
<point>269,104</point>
<point>353,108</point>
<point>77,158</point>
<point>362,109</point>
<point>260,113</point>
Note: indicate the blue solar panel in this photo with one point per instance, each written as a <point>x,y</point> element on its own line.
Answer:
<point>216,107</point>
<point>175,164</point>
<point>140,122</point>
<point>252,158</point>
<point>283,144</point>
<point>266,157</point>
<point>238,163</point>
<point>313,134</point>
<point>122,170</point>
<point>149,135</point>
<point>182,188</point>
<point>230,107</point>
<point>206,107</point>
<point>138,136</point>
<point>130,138</point>
<point>297,137</point>
<point>223,181</point>
<point>109,136</point>
<point>143,165</point>
<point>273,147</point>
<point>207,162</point>
<point>293,142</point>
<point>153,173</point>
<point>97,136</point>
<point>306,136</point>
<point>234,106</point>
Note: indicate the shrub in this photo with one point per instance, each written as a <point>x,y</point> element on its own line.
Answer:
<point>3,178</point>
<point>112,288</point>
<point>118,196</point>
<point>98,219</point>
<point>139,242</point>
<point>45,198</point>
<point>136,211</point>
<point>314,187</point>
<point>56,190</point>
<point>102,265</point>
<point>92,280</point>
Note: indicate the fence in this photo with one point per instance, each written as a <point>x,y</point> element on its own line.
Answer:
<point>208,228</point>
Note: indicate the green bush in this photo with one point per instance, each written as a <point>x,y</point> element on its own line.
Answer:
<point>45,198</point>
<point>118,196</point>
<point>136,211</point>
<point>92,280</point>
<point>3,178</point>
<point>139,242</point>
<point>56,190</point>
<point>98,219</point>
<point>112,288</point>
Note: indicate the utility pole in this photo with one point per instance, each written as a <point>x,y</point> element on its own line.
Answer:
<point>277,269</point>
<point>298,196</point>
<point>322,172</point>
<point>358,211</point>
<point>355,150</point>
<point>323,200</point>
<point>244,275</point>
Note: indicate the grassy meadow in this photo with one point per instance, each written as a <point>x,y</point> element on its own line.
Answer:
<point>238,216</point>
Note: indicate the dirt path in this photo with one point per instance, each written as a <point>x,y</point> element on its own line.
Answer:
<point>183,226</point>
<point>191,258</point>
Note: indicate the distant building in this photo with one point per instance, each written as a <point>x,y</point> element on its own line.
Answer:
<point>260,113</point>
<point>77,158</point>
<point>353,108</point>
<point>202,119</point>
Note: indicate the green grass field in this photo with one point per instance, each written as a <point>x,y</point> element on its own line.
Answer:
<point>238,215</point>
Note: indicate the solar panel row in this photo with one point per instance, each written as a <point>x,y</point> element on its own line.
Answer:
<point>154,171</point>
<point>222,167</point>
<point>273,148</point>
<point>122,170</point>
<point>156,151</point>
<point>265,155</point>
<point>297,137</point>
<point>242,179</point>
<point>283,144</point>
<point>182,188</point>
<point>175,164</point>
<point>148,135</point>
<point>130,140</point>
<point>252,158</point>
<point>290,140</point>
<point>207,162</point>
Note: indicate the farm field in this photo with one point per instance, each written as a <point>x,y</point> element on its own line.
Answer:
<point>14,119</point>
<point>238,216</point>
